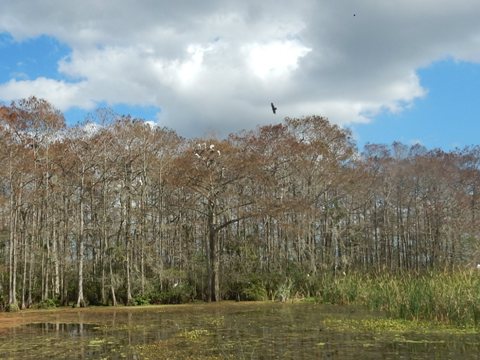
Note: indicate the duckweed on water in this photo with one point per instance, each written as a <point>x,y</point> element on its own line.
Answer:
<point>196,334</point>
<point>233,331</point>
<point>382,325</point>
<point>216,321</point>
<point>97,342</point>
<point>180,347</point>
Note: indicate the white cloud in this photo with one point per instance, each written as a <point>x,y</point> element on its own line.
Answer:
<point>64,95</point>
<point>216,65</point>
<point>274,60</point>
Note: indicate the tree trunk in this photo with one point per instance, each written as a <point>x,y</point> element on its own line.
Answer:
<point>80,299</point>
<point>112,287</point>
<point>12,293</point>
<point>56,267</point>
<point>214,278</point>
<point>24,276</point>
<point>127,251</point>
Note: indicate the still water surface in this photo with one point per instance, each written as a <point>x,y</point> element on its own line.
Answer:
<point>230,331</point>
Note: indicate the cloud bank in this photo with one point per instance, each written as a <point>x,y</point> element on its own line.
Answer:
<point>216,65</point>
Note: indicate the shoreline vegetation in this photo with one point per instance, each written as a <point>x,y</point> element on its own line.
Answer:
<point>118,211</point>
<point>442,298</point>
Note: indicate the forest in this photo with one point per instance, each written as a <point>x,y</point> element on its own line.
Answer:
<point>117,211</point>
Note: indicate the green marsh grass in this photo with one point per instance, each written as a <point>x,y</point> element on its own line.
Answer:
<point>448,297</point>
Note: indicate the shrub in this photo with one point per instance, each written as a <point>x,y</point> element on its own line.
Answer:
<point>284,290</point>
<point>254,291</point>
<point>47,304</point>
<point>246,289</point>
<point>92,290</point>
<point>12,308</point>
<point>141,300</point>
<point>180,294</point>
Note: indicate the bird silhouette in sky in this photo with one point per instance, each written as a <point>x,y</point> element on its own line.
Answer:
<point>274,109</point>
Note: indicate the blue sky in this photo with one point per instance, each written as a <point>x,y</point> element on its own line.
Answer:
<point>408,72</point>
<point>448,116</point>
<point>30,58</point>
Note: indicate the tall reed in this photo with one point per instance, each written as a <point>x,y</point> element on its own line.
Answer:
<point>450,297</point>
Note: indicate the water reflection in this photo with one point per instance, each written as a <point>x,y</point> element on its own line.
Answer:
<point>72,329</point>
<point>225,331</point>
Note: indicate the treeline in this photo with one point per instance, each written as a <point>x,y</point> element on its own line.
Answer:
<point>116,210</point>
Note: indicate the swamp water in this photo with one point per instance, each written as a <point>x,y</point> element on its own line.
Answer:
<point>227,331</point>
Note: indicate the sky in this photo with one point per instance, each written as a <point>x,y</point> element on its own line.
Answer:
<point>397,70</point>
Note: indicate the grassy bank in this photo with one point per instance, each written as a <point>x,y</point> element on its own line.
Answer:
<point>452,298</point>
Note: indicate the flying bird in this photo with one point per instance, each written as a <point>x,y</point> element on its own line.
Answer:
<point>274,109</point>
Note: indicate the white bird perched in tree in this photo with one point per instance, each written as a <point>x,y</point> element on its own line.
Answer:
<point>212,147</point>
